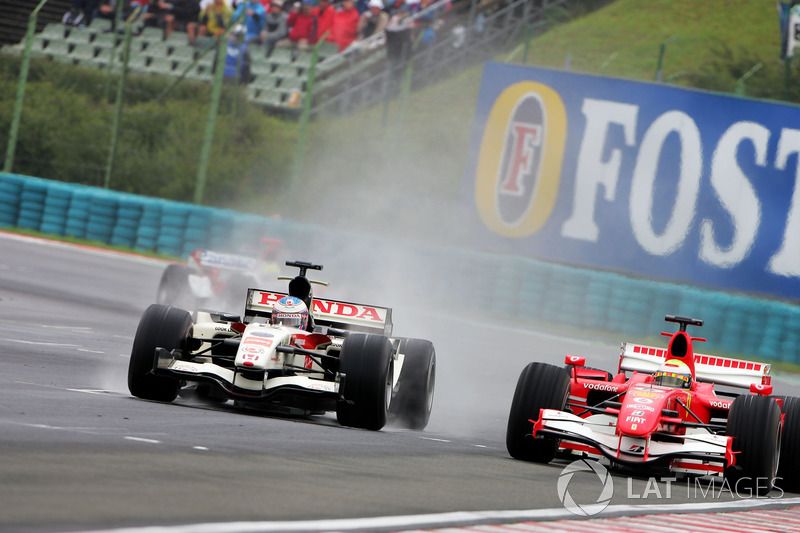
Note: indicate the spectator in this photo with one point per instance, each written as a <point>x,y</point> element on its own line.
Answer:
<point>325,13</point>
<point>81,13</point>
<point>373,21</point>
<point>345,25</point>
<point>398,40</point>
<point>276,27</point>
<point>237,58</point>
<point>303,25</point>
<point>215,18</point>
<point>186,13</point>
<point>254,18</point>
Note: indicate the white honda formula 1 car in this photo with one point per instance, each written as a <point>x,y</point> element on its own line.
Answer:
<point>346,360</point>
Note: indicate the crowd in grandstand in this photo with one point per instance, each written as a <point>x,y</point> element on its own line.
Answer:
<point>267,23</point>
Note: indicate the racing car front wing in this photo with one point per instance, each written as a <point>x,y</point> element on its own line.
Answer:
<point>237,384</point>
<point>698,451</point>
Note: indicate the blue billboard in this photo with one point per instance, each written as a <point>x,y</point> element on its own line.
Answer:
<point>639,178</point>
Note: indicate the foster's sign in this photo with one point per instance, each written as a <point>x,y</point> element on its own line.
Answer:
<point>647,179</point>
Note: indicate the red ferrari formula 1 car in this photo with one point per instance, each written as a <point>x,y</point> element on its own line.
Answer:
<point>661,410</point>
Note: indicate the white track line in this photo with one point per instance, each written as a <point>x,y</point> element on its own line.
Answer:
<point>141,439</point>
<point>446,519</point>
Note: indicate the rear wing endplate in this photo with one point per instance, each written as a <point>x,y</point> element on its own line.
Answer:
<point>332,313</point>
<point>709,368</point>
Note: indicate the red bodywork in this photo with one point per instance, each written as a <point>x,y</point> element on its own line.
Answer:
<point>643,409</point>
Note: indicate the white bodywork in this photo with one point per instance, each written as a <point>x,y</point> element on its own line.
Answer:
<point>258,352</point>
<point>600,430</point>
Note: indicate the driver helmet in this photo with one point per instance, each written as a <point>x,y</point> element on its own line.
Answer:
<point>673,373</point>
<point>290,311</point>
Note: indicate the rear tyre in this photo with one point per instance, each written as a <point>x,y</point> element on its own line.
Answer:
<point>540,386</point>
<point>161,326</point>
<point>789,466</point>
<point>366,390</point>
<point>754,423</point>
<point>411,406</point>
<point>174,289</point>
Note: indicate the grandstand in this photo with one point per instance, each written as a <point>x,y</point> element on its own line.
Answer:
<point>358,76</point>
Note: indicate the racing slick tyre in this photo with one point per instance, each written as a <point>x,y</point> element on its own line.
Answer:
<point>366,390</point>
<point>789,466</point>
<point>161,326</point>
<point>754,423</point>
<point>412,404</point>
<point>174,287</point>
<point>540,386</point>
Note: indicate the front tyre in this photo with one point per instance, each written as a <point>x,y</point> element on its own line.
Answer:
<point>161,326</point>
<point>754,422</point>
<point>366,390</point>
<point>411,406</point>
<point>540,386</point>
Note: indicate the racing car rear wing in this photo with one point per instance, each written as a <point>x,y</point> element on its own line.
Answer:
<point>708,368</point>
<point>331,313</point>
<point>238,263</point>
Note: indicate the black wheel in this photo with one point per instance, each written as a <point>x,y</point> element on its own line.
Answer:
<point>411,405</point>
<point>540,386</point>
<point>789,466</point>
<point>754,423</point>
<point>174,289</point>
<point>366,390</point>
<point>161,326</point>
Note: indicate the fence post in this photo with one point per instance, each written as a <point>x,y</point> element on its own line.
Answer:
<point>740,83</point>
<point>23,81</point>
<point>123,78</point>
<point>305,115</point>
<point>115,28</point>
<point>211,124</point>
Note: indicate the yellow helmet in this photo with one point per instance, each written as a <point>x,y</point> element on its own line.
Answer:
<point>673,373</point>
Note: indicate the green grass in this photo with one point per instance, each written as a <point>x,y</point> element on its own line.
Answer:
<point>623,38</point>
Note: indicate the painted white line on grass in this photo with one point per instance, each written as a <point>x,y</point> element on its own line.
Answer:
<point>439,520</point>
<point>142,439</point>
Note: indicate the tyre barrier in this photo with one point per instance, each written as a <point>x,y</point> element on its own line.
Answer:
<point>31,205</point>
<point>519,290</point>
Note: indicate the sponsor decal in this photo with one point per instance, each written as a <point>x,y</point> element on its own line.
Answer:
<point>263,334</point>
<point>636,419</point>
<point>720,404</point>
<point>638,412</point>
<point>327,307</point>
<point>249,341</point>
<point>640,407</point>
<point>637,177</point>
<point>519,162</point>
<point>639,399</point>
<point>601,386</point>
<point>646,393</point>
<point>362,312</point>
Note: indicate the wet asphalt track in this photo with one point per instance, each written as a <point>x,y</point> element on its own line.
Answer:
<point>78,452</point>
